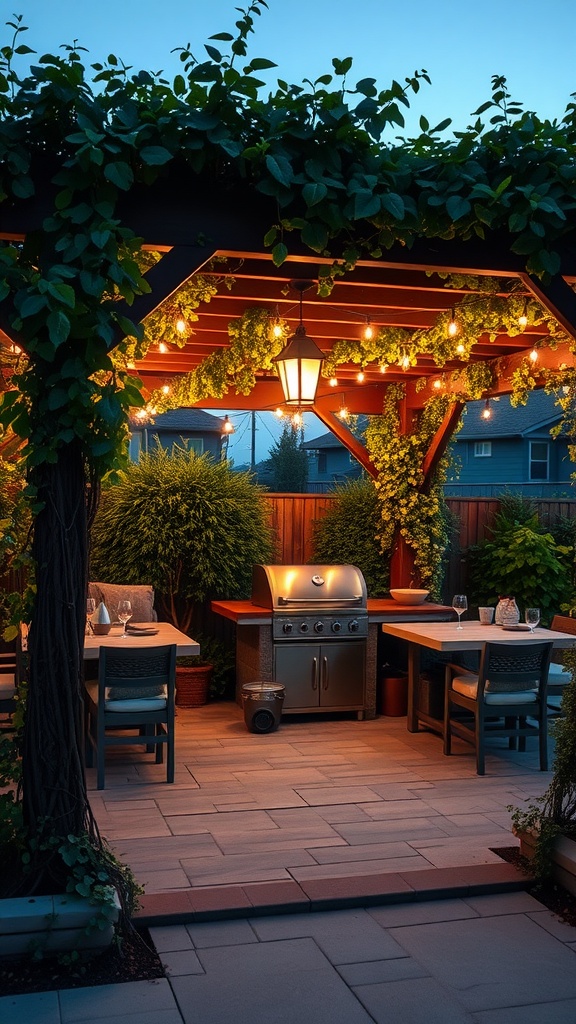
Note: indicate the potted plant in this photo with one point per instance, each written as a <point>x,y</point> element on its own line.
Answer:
<point>186,525</point>
<point>547,827</point>
<point>205,675</point>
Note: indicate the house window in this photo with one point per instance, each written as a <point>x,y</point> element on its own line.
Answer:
<point>321,462</point>
<point>539,460</point>
<point>482,449</point>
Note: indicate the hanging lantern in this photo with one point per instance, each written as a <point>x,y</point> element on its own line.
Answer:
<point>299,362</point>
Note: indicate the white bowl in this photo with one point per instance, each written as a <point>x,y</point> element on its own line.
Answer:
<point>409,595</point>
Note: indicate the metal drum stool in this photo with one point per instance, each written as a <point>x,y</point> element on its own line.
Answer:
<point>262,705</point>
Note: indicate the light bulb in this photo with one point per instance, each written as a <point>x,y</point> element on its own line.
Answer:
<point>333,382</point>
<point>360,376</point>
<point>343,412</point>
<point>227,426</point>
<point>368,331</point>
<point>141,414</point>
<point>277,330</point>
<point>151,410</point>
<point>279,412</point>
<point>437,383</point>
<point>131,364</point>
<point>486,411</point>
<point>162,347</point>
<point>383,367</point>
<point>297,419</point>
<point>181,326</point>
<point>452,326</point>
<point>534,355</point>
<point>166,389</point>
<point>460,348</point>
<point>405,362</point>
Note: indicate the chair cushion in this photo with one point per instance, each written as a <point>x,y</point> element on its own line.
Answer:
<point>141,598</point>
<point>136,704</point>
<point>134,692</point>
<point>467,685</point>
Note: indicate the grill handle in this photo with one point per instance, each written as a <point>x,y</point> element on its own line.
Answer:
<point>314,673</point>
<point>325,673</point>
<point>344,601</point>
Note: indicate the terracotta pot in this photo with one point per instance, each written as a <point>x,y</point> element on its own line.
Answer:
<point>192,685</point>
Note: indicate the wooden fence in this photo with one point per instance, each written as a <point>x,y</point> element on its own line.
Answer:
<point>292,517</point>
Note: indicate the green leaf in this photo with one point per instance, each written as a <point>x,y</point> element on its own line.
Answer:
<point>394,204</point>
<point>314,193</point>
<point>366,204</point>
<point>57,398</point>
<point>315,236</point>
<point>341,67</point>
<point>64,293</point>
<point>58,327</point>
<point>155,155</point>
<point>280,169</point>
<point>32,305</point>
<point>260,64</point>
<point>23,187</point>
<point>120,174</point>
<point>270,236</point>
<point>279,254</point>
<point>213,53</point>
<point>458,207</point>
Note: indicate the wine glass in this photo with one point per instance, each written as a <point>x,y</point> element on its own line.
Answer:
<point>90,609</point>
<point>124,613</point>
<point>459,604</point>
<point>532,618</point>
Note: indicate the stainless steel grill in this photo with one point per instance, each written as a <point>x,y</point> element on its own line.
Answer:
<point>319,633</point>
<point>308,600</point>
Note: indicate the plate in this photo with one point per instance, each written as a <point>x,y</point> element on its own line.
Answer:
<point>141,631</point>
<point>520,627</point>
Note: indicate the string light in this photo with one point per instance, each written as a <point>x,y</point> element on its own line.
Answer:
<point>368,330</point>
<point>277,326</point>
<point>360,376</point>
<point>534,355</point>
<point>181,326</point>
<point>333,382</point>
<point>141,414</point>
<point>227,427</point>
<point>460,349</point>
<point>383,367</point>
<point>162,347</point>
<point>523,318</point>
<point>437,383</point>
<point>166,389</point>
<point>297,419</point>
<point>343,412</point>
<point>452,325</point>
<point>131,364</point>
<point>405,362</point>
<point>486,411</point>
<point>279,413</point>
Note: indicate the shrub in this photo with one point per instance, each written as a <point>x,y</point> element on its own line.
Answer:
<point>188,526</point>
<point>347,534</point>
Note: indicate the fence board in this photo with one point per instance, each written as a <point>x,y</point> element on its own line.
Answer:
<point>292,517</point>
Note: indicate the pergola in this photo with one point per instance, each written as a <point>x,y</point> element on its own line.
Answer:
<point>402,289</point>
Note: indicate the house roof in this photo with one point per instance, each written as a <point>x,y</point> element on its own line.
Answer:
<point>327,440</point>
<point>190,420</point>
<point>539,413</point>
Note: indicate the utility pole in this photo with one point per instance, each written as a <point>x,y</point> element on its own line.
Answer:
<point>253,443</point>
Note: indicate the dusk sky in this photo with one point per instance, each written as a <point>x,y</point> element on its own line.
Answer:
<point>461,47</point>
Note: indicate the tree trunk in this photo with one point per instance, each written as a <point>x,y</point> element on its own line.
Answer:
<point>54,794</point>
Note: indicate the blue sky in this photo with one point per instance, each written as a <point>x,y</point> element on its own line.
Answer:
<point>461,46</point>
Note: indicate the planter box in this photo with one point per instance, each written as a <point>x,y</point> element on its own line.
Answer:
<point>563,856</point>
<point>52,924</point>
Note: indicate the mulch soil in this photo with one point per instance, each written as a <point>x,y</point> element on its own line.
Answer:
<point>137,959</point>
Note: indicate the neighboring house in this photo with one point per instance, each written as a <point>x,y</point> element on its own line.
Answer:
<point>194,429</point>
<point>330,463</point>
<point>513,450</point>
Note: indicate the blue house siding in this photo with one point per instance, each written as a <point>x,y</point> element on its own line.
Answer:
<point>515,462</point>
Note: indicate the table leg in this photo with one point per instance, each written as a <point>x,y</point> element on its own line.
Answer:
<point>413,677</point>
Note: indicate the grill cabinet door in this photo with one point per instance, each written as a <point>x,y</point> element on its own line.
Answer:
<point>321,676</point>
<point>342,670</point>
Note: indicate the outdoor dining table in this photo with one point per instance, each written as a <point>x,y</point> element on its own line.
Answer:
<point>445,637</point>
<point>164,633</point>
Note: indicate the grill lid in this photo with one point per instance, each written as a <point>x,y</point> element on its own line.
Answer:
<point>282,587</point>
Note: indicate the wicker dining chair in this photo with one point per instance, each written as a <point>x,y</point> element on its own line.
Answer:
<point>559,675</point>
<point>509,688</point>
<point>135,690</point>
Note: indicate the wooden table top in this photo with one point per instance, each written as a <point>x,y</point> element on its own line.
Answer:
<point>445,636</point>
<point>167,634</point>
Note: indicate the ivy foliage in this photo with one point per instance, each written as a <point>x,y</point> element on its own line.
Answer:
<point>321,154</point>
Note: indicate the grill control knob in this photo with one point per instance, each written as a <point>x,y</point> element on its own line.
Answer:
<point>336,627</point>
<point>304,627</point>
<point>353,625</point>
<point>319,627</point>
<point>287,627</point>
